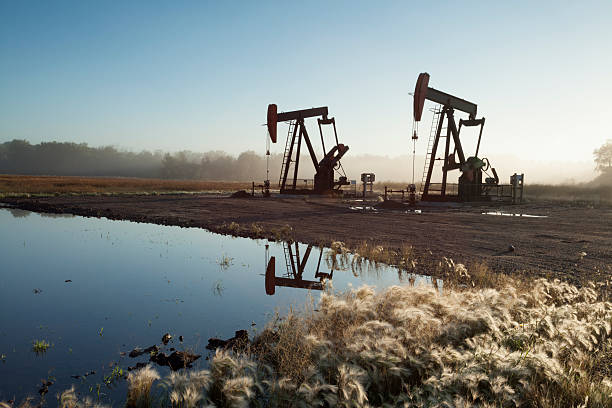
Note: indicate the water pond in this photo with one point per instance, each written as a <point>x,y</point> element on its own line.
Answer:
<point>94,289</point>
<point>505,214</point>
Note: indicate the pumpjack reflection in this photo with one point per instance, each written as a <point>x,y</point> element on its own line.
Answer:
<point>295,269</point>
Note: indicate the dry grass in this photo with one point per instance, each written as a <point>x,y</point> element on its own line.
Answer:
<point>581,194</point>
<point>66,399</point>
<point>282,346</point>
<point>255,230</point>
<point>575,194</point>
<point>483,340</point>
<point>139,386</point>
<point>12,185</point>
<point>70,399</point>
<point>548,345</point>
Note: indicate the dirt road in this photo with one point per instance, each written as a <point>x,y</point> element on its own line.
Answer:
<point>549,245</point>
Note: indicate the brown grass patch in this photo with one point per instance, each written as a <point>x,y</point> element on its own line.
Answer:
<point>543,346</point>
<point>17,185</point>
<point>574,194</point>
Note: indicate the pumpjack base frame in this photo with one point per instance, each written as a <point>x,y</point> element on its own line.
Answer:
<point>490,192</point>
<point>305,191</point>
<point>452,199</point>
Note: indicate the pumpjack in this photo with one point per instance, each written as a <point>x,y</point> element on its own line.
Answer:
<point>295,270</point>
<point>471,186</point>
<point>325,168</point>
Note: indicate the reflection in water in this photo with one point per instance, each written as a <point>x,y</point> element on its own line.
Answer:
<point>17,213</point>
<point>295,267</point>
<point>363,208</point>
<point>92,287</point>
<point>54,215</point>
<point>294,270</point>
<point>514,214</point>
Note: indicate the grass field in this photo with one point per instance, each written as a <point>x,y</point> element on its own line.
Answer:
<point>545,345</point>
<point>24,186</point>
<point>18,185</point>
<point>569,193</point>
<point>577,193</point>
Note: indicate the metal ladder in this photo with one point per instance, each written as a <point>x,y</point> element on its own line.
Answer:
<point>435,120</point>
<point>286,158</point>
<point>287,260</point>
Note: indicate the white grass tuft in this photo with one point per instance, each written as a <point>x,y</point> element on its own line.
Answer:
<point>547,345</point>
<point>139,387</point>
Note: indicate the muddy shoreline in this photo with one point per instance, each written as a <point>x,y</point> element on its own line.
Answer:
<point>548,245</point>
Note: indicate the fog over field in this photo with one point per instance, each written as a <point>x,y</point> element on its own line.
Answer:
<point>399,168</point>
<point>21,157</point>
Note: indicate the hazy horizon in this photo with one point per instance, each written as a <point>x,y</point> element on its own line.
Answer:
<point>387,168</point>
<point>199,76</point>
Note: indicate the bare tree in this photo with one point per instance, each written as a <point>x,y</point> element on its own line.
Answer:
<point>603,157</point>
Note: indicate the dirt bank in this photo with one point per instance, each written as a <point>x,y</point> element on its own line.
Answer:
<point>553,245</point>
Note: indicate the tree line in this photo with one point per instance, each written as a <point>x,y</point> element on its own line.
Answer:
<point>79,159</point>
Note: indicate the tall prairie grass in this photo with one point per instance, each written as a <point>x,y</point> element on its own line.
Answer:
<point>548,344</point>
<point>482,340</point>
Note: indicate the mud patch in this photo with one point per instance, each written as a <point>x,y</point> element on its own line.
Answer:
<point>391,205</point>
<point>240,341</point>
<point>176,360</point>
<point>241,194</point>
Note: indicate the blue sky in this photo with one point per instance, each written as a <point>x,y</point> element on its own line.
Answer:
<point>199,75</point>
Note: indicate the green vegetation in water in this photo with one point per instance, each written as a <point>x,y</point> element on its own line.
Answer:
<point>40,346</point>
<point>217,288</point>
<point>117,374</point>
<point>225,262</point>
<point>68,402</point>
